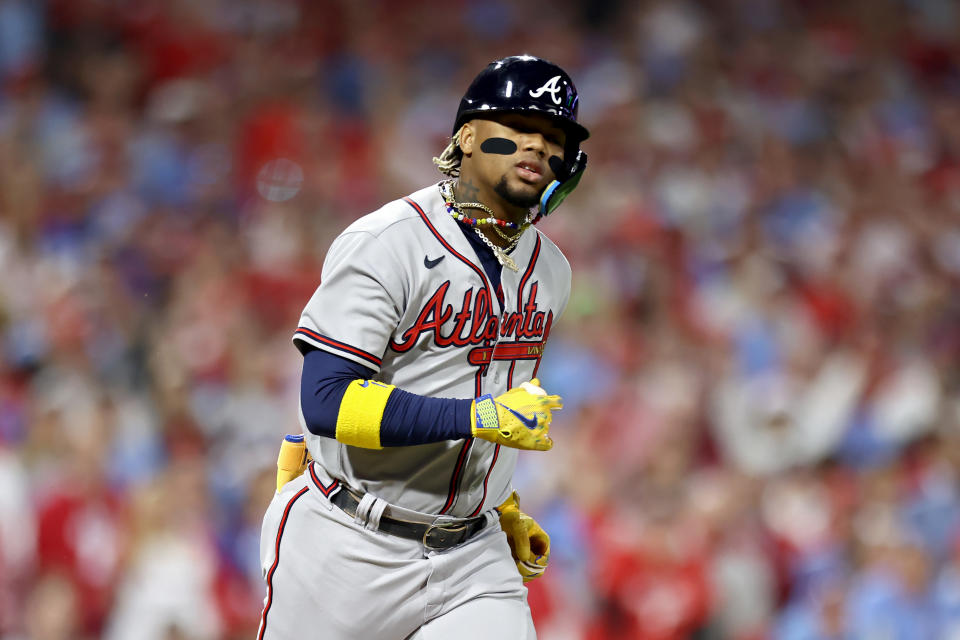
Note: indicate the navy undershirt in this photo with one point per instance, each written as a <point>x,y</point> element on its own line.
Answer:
<point>489,261</point>
<point>408,418</point>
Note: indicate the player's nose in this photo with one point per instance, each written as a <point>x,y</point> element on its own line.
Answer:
<point>533,141</point>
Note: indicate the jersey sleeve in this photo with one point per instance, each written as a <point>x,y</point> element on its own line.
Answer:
<point>358,304</point>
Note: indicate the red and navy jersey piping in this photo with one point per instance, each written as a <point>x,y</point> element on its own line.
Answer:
<point>276,561</point>
<point>326,491</point>
<point>486,478</point>
<point>336,344</point>
<point>455,478</point>
<point>528,273</point>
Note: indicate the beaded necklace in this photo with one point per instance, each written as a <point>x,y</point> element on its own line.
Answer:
<point>455,209</point>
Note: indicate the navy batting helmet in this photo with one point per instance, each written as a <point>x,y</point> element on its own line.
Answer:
<point>519,84</point>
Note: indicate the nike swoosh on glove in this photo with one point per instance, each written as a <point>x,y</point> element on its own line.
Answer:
<point>519,418</point>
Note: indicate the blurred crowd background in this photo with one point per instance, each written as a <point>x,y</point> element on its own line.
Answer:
<point>761,436</point>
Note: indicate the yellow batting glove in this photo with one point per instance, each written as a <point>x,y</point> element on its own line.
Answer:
<point>520,418</point>
<point>529,543</point>
<point>292,461</point>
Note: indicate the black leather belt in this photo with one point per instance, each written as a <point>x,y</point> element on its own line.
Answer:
<point>433,536</point>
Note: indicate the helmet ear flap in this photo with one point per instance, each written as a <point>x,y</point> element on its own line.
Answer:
<point>568,177</point>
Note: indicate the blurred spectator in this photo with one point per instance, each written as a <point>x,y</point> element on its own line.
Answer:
<point>53,610</point>
<point>168,584</point>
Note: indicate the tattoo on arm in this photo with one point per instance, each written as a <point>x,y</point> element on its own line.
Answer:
<point>466,191</point>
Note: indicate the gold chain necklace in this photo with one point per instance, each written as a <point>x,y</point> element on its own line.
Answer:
<point>455,210</point>
<point>501,253</point>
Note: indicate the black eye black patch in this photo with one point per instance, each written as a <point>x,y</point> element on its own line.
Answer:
<point>499,146</point>
<point>556,165</point>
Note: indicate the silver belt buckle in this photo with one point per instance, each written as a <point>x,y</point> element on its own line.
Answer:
<point>441,527</point>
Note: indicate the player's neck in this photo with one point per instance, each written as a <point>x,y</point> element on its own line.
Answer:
<point>468,190</point>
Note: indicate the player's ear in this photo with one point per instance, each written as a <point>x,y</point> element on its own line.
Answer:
<point>468,136</point>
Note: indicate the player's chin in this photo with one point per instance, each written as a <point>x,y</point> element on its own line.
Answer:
<point>519,192</point>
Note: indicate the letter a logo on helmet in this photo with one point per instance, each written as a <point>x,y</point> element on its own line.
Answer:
<point>552,87</point>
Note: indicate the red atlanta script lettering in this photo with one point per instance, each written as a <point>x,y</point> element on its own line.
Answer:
<point>475,323</point>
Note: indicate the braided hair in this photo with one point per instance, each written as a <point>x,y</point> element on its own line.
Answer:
<point>448,162</point>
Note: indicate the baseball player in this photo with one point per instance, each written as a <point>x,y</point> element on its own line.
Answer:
<point>421,348</point>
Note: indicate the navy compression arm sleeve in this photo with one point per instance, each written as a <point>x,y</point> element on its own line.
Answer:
<point>408,418</point>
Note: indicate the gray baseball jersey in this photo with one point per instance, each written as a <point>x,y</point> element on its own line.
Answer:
<point>403,292</point>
